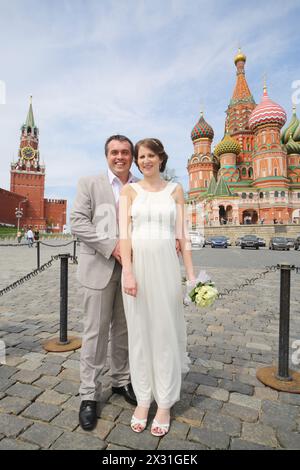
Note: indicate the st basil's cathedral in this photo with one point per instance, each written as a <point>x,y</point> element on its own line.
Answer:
<point>253,174</point>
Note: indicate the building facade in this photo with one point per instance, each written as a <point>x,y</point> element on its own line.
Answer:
<point>253,174</point>
<point>27,186</point>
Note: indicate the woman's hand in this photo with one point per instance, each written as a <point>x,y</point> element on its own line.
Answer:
<point>191,282</point>
<point>129,284</point>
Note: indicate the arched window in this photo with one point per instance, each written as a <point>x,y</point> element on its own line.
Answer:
<point>282,194</point>
<point>250,195</point>
<point>261,195</point>
<point>273,138</point>
<point>275,172</point>
<point>244,195</point>
<point>250,172</point>
<point>276,194</point>
<point>205,183</point>
<point>244,171</point>
<point>298,195</point>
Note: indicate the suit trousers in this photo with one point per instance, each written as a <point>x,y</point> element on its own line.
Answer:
<point>104,320</point>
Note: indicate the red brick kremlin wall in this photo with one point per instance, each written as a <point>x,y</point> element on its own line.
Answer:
<point>8,203</point>
<point>55,213</point>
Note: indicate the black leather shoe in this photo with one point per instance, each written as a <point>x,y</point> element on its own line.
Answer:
<point>127,392</point>
<point>88,414</point>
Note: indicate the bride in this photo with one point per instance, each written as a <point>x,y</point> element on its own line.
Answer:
<point>151,214</point>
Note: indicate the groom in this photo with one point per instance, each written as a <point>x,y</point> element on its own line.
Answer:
<point>94,221</point>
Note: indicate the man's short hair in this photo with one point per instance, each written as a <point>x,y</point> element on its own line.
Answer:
<point>120,138</point>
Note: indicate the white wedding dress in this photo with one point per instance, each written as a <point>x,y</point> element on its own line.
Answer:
<point>155,317</point>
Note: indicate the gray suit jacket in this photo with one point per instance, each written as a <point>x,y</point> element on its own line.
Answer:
<point>93,220</point>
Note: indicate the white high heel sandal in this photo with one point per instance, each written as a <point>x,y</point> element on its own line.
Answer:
<point>142,423</point>
<point>162,429</point>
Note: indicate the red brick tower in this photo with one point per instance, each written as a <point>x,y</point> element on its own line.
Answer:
<point>269,157</point>
<point>237,121</point>
<point>28,175</point>
<point>203,164</point>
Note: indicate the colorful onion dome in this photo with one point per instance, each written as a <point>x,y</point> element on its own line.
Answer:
<point>202,130</point>
<point>240,56</point>
<point>292,146</point>
<point>293,129</point>
<point>267,112</point>
<point>227,145</point>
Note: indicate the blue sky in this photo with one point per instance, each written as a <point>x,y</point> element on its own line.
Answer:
<point>143,68</point>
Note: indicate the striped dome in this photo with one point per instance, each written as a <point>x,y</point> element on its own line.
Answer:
<point>292,146</point>
<point>202,130</point>
<point>227,145</point>
<point>293,129</point>
<point>267,112</point>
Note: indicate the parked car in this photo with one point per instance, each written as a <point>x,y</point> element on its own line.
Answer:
<point>219,242</point>
<point>297,243</point>
<point>291,242</point>
<point>197,239</point>
<point>261,241</point>
<point>250,241</point>
<point>278,243</point>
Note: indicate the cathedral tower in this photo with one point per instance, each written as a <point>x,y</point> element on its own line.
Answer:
<point>269,157</point>
<point>237,121</point>
<point>203,164</point>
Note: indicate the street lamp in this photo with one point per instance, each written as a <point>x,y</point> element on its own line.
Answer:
<point>19,212</point>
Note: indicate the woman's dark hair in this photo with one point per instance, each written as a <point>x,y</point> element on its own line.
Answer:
<point>120,138</point>
<point>156,146</point>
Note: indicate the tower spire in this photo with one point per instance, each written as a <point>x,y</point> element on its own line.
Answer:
<point>241,91</point>
<point>30,119</point>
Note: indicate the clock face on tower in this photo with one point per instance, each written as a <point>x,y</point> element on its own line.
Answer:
<point>28,153</point>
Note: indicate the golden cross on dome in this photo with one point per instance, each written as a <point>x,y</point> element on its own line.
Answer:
<point>265,81</point>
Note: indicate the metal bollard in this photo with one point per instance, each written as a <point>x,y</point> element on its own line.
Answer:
<point>63,343</point>
<point>38,254</point>
<point>283,378</point>
<point>63,332</point>
<point>284,322</point>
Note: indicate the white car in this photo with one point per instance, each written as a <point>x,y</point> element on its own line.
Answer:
<point>197,239</point>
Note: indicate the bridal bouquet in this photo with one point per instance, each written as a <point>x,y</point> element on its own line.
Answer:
<point>203,293</point>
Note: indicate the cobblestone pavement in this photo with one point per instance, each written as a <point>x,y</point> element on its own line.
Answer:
<point>223,405</point>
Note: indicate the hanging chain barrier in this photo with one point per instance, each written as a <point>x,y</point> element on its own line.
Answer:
<point>32,274</point>
<point>13,244</point>
<point>55,246</point>
<point>252,280</point>
<point>42,243</point>
<point>38,244</point>
<point>256,277</point>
